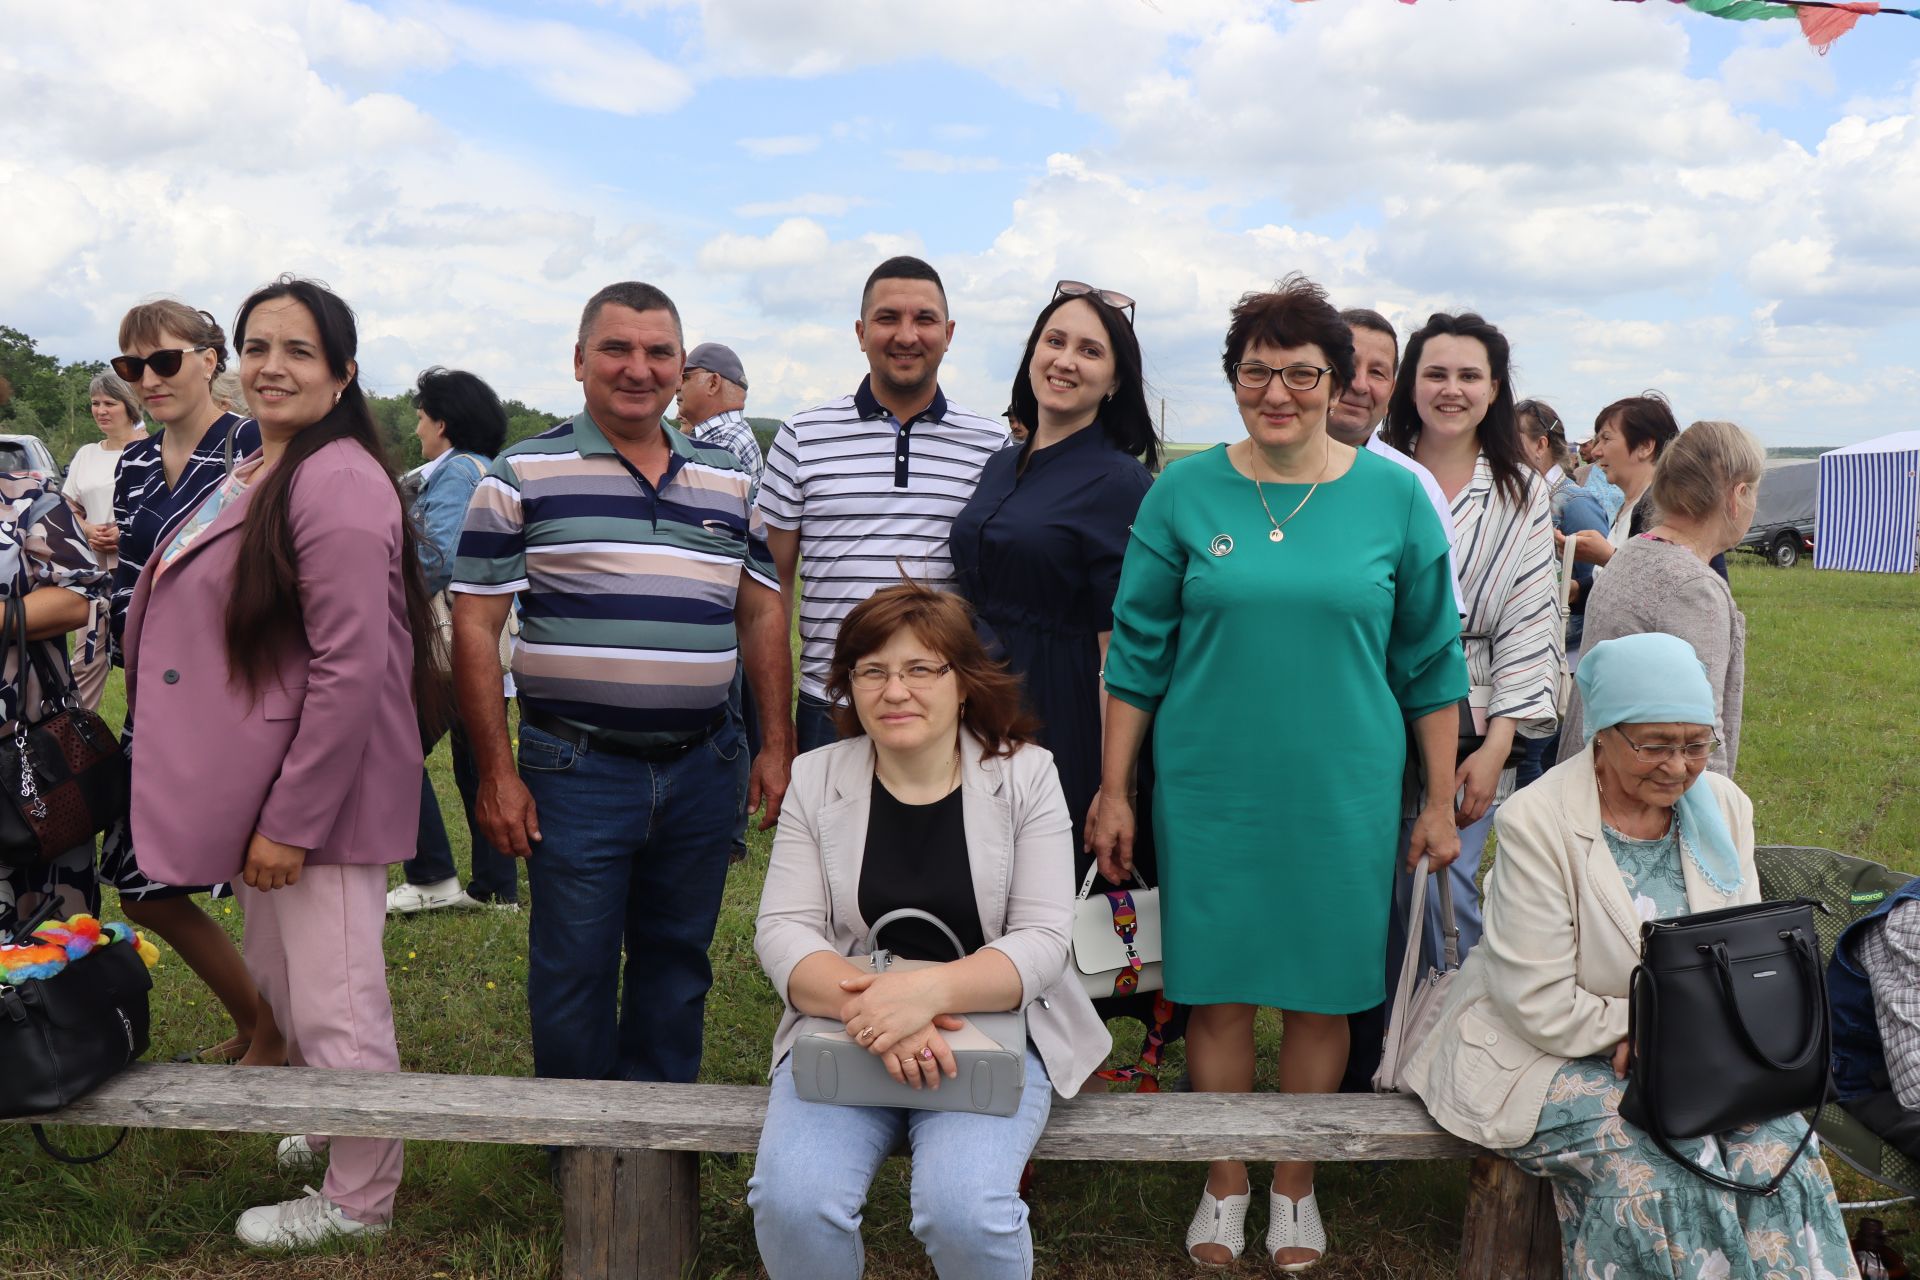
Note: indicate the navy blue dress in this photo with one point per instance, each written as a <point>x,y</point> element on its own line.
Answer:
<point>1038,553</point>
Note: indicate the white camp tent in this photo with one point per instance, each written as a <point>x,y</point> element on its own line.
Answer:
<point>1869,512</point>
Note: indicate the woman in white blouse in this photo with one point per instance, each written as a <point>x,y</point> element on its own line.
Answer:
<point>1452,410</point>
<point>89,486</point>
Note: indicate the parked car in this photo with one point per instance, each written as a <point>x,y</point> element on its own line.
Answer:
<point>1783,519</point>
<point>30,455</point>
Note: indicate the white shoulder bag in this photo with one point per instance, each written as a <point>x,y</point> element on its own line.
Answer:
<point>1417,1003</point>
<point>1563,690</point>
<point>1116,939</point>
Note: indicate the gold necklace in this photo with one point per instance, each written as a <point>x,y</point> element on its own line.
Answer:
<point>1326,452</point>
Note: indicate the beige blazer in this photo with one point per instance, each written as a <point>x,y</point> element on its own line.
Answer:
<point>1020,852</point>
<point>1549,980</point>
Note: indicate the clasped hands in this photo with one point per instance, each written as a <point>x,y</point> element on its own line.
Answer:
<point>896,1018</point>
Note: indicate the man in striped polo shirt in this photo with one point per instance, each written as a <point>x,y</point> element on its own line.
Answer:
<point>642,573</point>
<point>865,488</point>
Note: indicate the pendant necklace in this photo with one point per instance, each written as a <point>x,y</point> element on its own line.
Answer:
<point>1277,536</point>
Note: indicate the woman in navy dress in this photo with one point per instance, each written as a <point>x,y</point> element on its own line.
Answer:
<point>1038,548</point>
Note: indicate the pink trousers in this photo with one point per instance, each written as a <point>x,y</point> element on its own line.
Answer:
<point>315,950</point>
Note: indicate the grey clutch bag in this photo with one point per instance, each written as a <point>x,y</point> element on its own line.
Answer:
<point>990,1051</point>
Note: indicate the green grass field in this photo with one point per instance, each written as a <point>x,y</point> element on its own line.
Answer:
<point>1828,753</point>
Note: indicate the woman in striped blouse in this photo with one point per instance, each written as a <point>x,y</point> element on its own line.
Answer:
<point>1452,410</point>
<point>170,355</point>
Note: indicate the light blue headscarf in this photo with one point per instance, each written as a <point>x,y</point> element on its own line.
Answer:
<point>1655,678</point>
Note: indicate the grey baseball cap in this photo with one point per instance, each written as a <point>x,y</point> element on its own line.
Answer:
<point>715,358</point>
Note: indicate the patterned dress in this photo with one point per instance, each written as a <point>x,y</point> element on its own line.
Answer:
<point>1627,1211</point>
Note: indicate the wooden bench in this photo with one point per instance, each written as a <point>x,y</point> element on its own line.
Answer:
<point>629,1165</point>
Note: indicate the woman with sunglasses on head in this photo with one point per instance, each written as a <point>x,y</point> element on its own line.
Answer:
<point>170,356</point>
<point>1544,439</point>
<point>1704,490</point>
<point>1037,549</point>
<point>89,485</point>
<point>1284,612</point>
<point>1452,411</point>
<point>284,625</point>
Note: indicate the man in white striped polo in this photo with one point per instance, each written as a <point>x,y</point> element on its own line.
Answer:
<point>865,487</point>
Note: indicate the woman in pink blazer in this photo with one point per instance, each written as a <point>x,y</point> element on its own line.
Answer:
<point>274,645</point>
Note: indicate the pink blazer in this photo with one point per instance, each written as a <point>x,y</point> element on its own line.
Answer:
<point>328,756</point>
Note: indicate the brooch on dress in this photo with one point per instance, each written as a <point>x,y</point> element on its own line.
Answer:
<point>1222,544</point>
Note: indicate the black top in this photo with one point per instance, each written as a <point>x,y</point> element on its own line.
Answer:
<point>917,857</point>
<point>1038,553</point>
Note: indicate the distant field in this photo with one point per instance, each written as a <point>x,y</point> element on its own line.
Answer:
<point>1829,754</point>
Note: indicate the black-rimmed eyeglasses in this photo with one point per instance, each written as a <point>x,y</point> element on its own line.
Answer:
<point>1080,289</point>
<point>1253,375</point>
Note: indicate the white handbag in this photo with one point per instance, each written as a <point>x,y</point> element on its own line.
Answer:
<point>1563,689</point>
<point>1116,939</point>
<point>1417,1003</point>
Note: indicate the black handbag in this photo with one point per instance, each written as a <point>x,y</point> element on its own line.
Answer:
<point>1729,1027</point>
<point>65,1036</point>
<point>63,774</point>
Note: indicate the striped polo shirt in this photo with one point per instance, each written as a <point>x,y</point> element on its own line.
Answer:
<point>626,593</point>
<point>872,498</point>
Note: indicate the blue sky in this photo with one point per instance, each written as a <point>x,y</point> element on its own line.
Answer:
<point>1638,194</point>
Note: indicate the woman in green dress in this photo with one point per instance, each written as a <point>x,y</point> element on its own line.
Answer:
<point>1285,611</point>
<point>1530,1054</point>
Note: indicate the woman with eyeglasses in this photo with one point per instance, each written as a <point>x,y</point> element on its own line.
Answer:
<point>939,801</point>
<point>170,356</point>
<point>1452,410</point>
<point>1284,611</point>
<point>1544,438</point>
<point>1531,1050</point>
<point>1704,488</point>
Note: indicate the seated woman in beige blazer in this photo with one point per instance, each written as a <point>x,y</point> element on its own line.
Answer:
<point>937,801</point>
<point>1530,1054</point>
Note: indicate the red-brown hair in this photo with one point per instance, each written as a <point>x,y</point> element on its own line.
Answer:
<point>990,706</point>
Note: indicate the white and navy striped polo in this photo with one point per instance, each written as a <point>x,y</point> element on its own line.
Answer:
<point>872,498</point>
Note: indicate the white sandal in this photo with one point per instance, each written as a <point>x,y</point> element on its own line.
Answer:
<point>1221,1221</point>
<point>1295,1224</point>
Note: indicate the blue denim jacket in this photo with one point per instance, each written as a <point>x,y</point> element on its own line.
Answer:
<point>1857,1053</point>
<point>440,510</point>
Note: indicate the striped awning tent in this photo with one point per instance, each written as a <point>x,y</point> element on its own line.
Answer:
<point>1869,511</point>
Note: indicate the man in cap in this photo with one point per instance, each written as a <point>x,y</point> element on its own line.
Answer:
<point>713,405</point>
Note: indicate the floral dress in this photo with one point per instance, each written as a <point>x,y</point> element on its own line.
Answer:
<point>1627,1211</point>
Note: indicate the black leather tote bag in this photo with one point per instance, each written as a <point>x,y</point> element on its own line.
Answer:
<point>1728,1023</point>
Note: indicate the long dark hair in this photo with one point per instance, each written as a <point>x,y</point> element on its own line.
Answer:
<point>265,618</point>
<point>1498,432</point>
<point>1125,419</point>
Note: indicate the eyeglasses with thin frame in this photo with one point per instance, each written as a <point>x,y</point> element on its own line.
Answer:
<point>1253,375</point>
<point>1081,289</point>
<point>165,362</point>
<point>915,675</point>
<point>1661,752</point>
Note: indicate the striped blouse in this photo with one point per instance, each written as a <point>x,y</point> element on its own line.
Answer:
<point>143,505</point>
<point>1505,557</point>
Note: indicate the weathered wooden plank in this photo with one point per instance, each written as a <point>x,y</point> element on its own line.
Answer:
<point>629,1215</point>
<point>1511,1230</point>
<point>667,1117</point>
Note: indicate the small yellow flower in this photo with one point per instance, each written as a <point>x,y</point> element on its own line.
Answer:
<point>411,955</point>
<point>228,910</point>
<point>489,986</point>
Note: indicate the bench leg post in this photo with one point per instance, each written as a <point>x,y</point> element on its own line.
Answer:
<point>629,1214</point>
<point>1512,1232</point>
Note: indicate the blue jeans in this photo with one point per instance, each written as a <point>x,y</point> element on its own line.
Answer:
<point>816,1160</point>
<point>631,854</point>
<point>1466,901</point>
<point>813,723</point>
<point>495,877</point>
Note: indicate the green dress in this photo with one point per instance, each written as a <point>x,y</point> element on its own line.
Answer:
<point>1281,676</point>
<point>1625,1209</point>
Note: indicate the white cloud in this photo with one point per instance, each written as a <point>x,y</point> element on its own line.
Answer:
<point>811,205</point>
<point>595,69</point>
<point>923,161</point>
<point>786,144</point>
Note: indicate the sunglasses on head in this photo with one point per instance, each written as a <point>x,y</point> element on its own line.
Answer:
<point>165,362</point>
<point>1079,289</point>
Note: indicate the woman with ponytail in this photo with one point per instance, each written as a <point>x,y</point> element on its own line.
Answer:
<point>275,644</point>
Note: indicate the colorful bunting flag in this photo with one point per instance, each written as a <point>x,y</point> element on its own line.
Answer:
<point>1822,21</point>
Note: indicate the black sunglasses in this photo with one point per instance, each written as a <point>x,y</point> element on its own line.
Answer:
<point>1079,289</point>
<point>165,362</point>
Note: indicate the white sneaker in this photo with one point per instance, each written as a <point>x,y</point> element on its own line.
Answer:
<point>409,898</point>
<point>297,1224</point>
<point>294,1155</point>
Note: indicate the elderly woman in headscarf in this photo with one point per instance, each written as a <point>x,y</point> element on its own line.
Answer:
<point>1530,1055</point>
